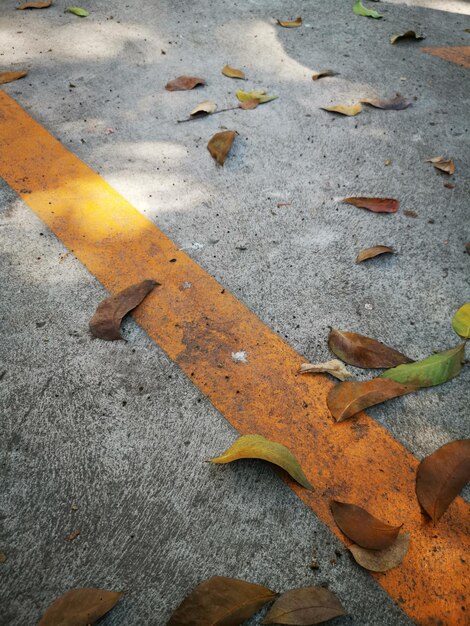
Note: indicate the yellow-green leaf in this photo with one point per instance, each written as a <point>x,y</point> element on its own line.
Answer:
<point>461,321</point>
<point>77,11</point>
<point>257,447</point>
<point>345,109</point>
<point>359,9</point>
<point>231,72</point>
<point>243,96</point>
<point>435,370</point>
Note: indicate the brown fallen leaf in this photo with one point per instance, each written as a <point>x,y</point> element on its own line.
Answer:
<point>221,601</point>
<point>370,253</point>
<point>9,77</point>
<point>231,72</point>
<point>377,205</point>
<point>34,5</point>
<point>183,83</point>
<point>412,214</point>
<point>290,23</point>
<point>3,557</point>
<point>442,164</point>
<point>220,144</point>
<point>73,535</point>
<point>394,104</point>
<point>247,105</point>
<point>333,367</point>
<point>305,606</point>
<point>363,351</point>
<point>106,321</point>
<point>441,476</point>
<point>382,560</point>
<point>323,73</point>
<point>345,109</point>
<point>346,399</point>
<point>204,108</point>
<point>362,527</point>
<point>409,34</point>
<point>80,607</point>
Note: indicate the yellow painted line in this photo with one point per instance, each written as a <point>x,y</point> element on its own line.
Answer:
<point>459,55</point>
<point>199,328</point>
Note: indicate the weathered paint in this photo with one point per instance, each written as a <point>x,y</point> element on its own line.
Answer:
<point>459,55</point>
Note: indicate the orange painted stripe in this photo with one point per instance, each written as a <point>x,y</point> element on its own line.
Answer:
<point>200,327</point>
<point>459,55</point>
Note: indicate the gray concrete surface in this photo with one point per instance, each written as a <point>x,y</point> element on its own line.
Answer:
<point>116,429</point>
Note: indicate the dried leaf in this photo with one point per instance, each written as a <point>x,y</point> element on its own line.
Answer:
<point>441,476</point>
<point>409,34</point>
<point>77,11</point>
<point>362,527</point>
<point>220,144</point>
<point>8,77</point>
<point>346,399</point>
<point>244,96</point>
<point>461,321</point>
<point>394,104</point>
<point>359,9</point>
<point>204,108</point>
<point>377,205</point>
<point>435,370</point>
<point>34,5</point>
<point>221,601</point>
<point>257,447</point>
<point>231,72</point>
<point>323,73</point>
<point>382,560</point>
<point>442,164</point>
<point>304,607</point>
<point>345,109</point>
<point>79,607</point>
<point>370,253</point>
<point>3,557</point>
<point>247,105</point>
<point>184,83</point>
<point>106,321</point>
<point>290,23</point>
<point>334,367</point>
<point>363,351</point>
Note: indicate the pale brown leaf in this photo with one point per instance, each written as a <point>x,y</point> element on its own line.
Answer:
<point>204,108</point>
<point>79,607</point>
<point>232,72</point>
<point>304,607</point>
<point>382,560</point>
<point>345,109</point>
<point>376,205</point>
<point>442,164</point>
<point>183,83</point>
<point>8,77</point>
<point>333,367</point>
<point>370,253</point>
<point>220,144</point>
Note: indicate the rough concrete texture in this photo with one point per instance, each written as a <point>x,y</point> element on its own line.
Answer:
<point>116,429</point>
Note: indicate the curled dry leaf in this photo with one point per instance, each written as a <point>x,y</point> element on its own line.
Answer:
<point>244,96</point>
<point>345,109</point>
<point>409,34</point>
<point>323,73</point>
<point>346,399</point>
<point>184,83</point>
<point>204,108</point>
<point>34,5</point>
<point>221,601</point>
<point>231,72</point>
<point>333,367</point>
<point>360,9</point>
<point>442,164</point>
<point>8,77</point>
<point>382,560</point>
<point>247,105</point>
<point>219,145</point>
<point>394,104</point>
<point>290,23</point>
<point>257,447</point>
<point>304,607</point>
<point>461,321</point>
<point>106,321</point>
<point>363,351</point>
<point>376,205</point>
<point>441,476</point>
<point>370,253</point>
<point>435,370</point>
<point>80,606</point>
<point>362,527</point>
<point>77,11</point>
